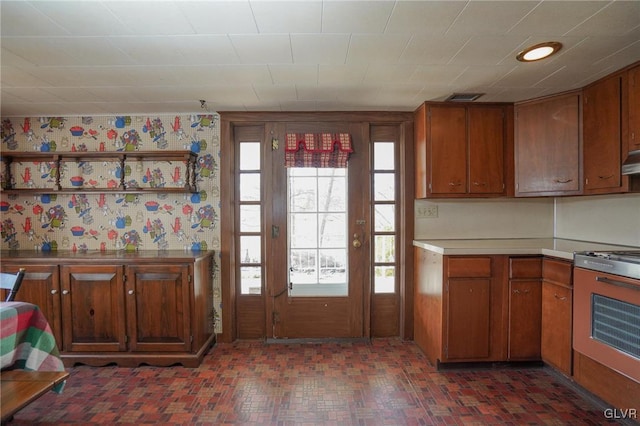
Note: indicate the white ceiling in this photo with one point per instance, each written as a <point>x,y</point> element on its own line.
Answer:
<point>128,57</point>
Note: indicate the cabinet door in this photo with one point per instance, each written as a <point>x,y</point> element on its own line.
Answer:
<point>602,134</point>
<point>158,307</point>
<point>447,150</point>
<point>547,146</point>
<point>556,326</point>
<point>486,150</point>
<point>634,108</point>
<point>41,287</point>
<point>468,319</point>
<point>93,316</point>
<point>525,302</point>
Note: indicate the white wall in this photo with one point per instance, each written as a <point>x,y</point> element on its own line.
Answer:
<point>613,219</point>
<point>486,218</point>
<point>605,218</point>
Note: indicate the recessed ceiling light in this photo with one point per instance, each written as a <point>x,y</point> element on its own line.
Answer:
<point>539,51</point>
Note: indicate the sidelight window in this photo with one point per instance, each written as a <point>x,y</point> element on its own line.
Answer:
<point>250,223</point>
<point>384,218</point>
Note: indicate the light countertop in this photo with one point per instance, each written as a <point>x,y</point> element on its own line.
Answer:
<point>555,247</point>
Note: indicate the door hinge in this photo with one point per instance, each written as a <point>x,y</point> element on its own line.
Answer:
<point>446,351</point>
<point>191,339</point>
<point>126,339</point>
<point>189,278</point>
<point>124,278</point>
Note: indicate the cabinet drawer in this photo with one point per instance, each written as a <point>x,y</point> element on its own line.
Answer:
<point>525,267</point>
<point>558,271</point>
<point>469,267</point>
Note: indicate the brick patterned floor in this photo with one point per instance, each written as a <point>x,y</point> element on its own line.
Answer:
<point>382,382</point>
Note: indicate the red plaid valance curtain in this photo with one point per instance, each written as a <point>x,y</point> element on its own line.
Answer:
<point>317,149</point>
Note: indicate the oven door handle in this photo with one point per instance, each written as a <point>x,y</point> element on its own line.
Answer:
<point>617,283</point>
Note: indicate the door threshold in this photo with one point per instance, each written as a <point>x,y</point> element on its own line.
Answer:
<point>318,340</point>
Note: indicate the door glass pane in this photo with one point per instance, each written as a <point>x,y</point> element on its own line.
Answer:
<point>383,156</point>
<point>303,194</point>
<point>317,234</point>
<point>303,266</point>
<point>250,249</point>
<point>303,227</point>
<point>384,217</point>
<point>250,280</point>
<point>249,187</point>
<point>330,194</point>
<point>250,156</point>
<point>385,249</point>
<point>332,230</point>
<point>384,279</point>
<point>249,218</point>
<point>333,266</point>
<point>384,187</point>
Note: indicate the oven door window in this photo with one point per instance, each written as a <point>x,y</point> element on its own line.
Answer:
<point>616,323</point>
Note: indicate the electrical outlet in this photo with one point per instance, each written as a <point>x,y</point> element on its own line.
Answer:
<point>427,212</point>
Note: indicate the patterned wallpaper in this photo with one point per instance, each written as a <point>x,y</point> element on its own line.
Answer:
<point>113,221</point>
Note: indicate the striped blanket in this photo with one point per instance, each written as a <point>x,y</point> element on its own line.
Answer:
<point>26,341</point>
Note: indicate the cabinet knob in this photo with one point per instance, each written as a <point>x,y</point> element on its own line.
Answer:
<point>455,183</point>
<point>563,180</point>
<point>479,183</point>
<point>54,291</point>
<point>130,292</point>
<point>65,291</point>
<point>559,298</point>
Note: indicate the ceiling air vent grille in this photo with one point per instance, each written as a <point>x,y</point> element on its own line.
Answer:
<point>463,97</point>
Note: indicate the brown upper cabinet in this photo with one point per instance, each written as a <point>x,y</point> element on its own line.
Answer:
<point>602,104</point>
<point>547,146</point>
<point>633,78</point>
<point>463,150</point>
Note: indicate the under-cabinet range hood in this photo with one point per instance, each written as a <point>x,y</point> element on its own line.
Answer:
<point>631,165</point>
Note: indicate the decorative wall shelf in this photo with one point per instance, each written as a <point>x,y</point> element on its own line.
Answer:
<point>123,158</point>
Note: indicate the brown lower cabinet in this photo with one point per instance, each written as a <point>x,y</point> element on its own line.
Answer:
<point>128,309</point>
<point>557,311</point>
<point>525,305</point>
<point>477,308</point>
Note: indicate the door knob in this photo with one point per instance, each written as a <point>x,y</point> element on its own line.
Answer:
<point>356,241</point>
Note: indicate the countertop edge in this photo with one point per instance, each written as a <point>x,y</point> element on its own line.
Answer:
<point>33,257</point>
<point>552,247</point>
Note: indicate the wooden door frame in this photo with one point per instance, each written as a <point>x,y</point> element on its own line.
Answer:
<point>275,123</point>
